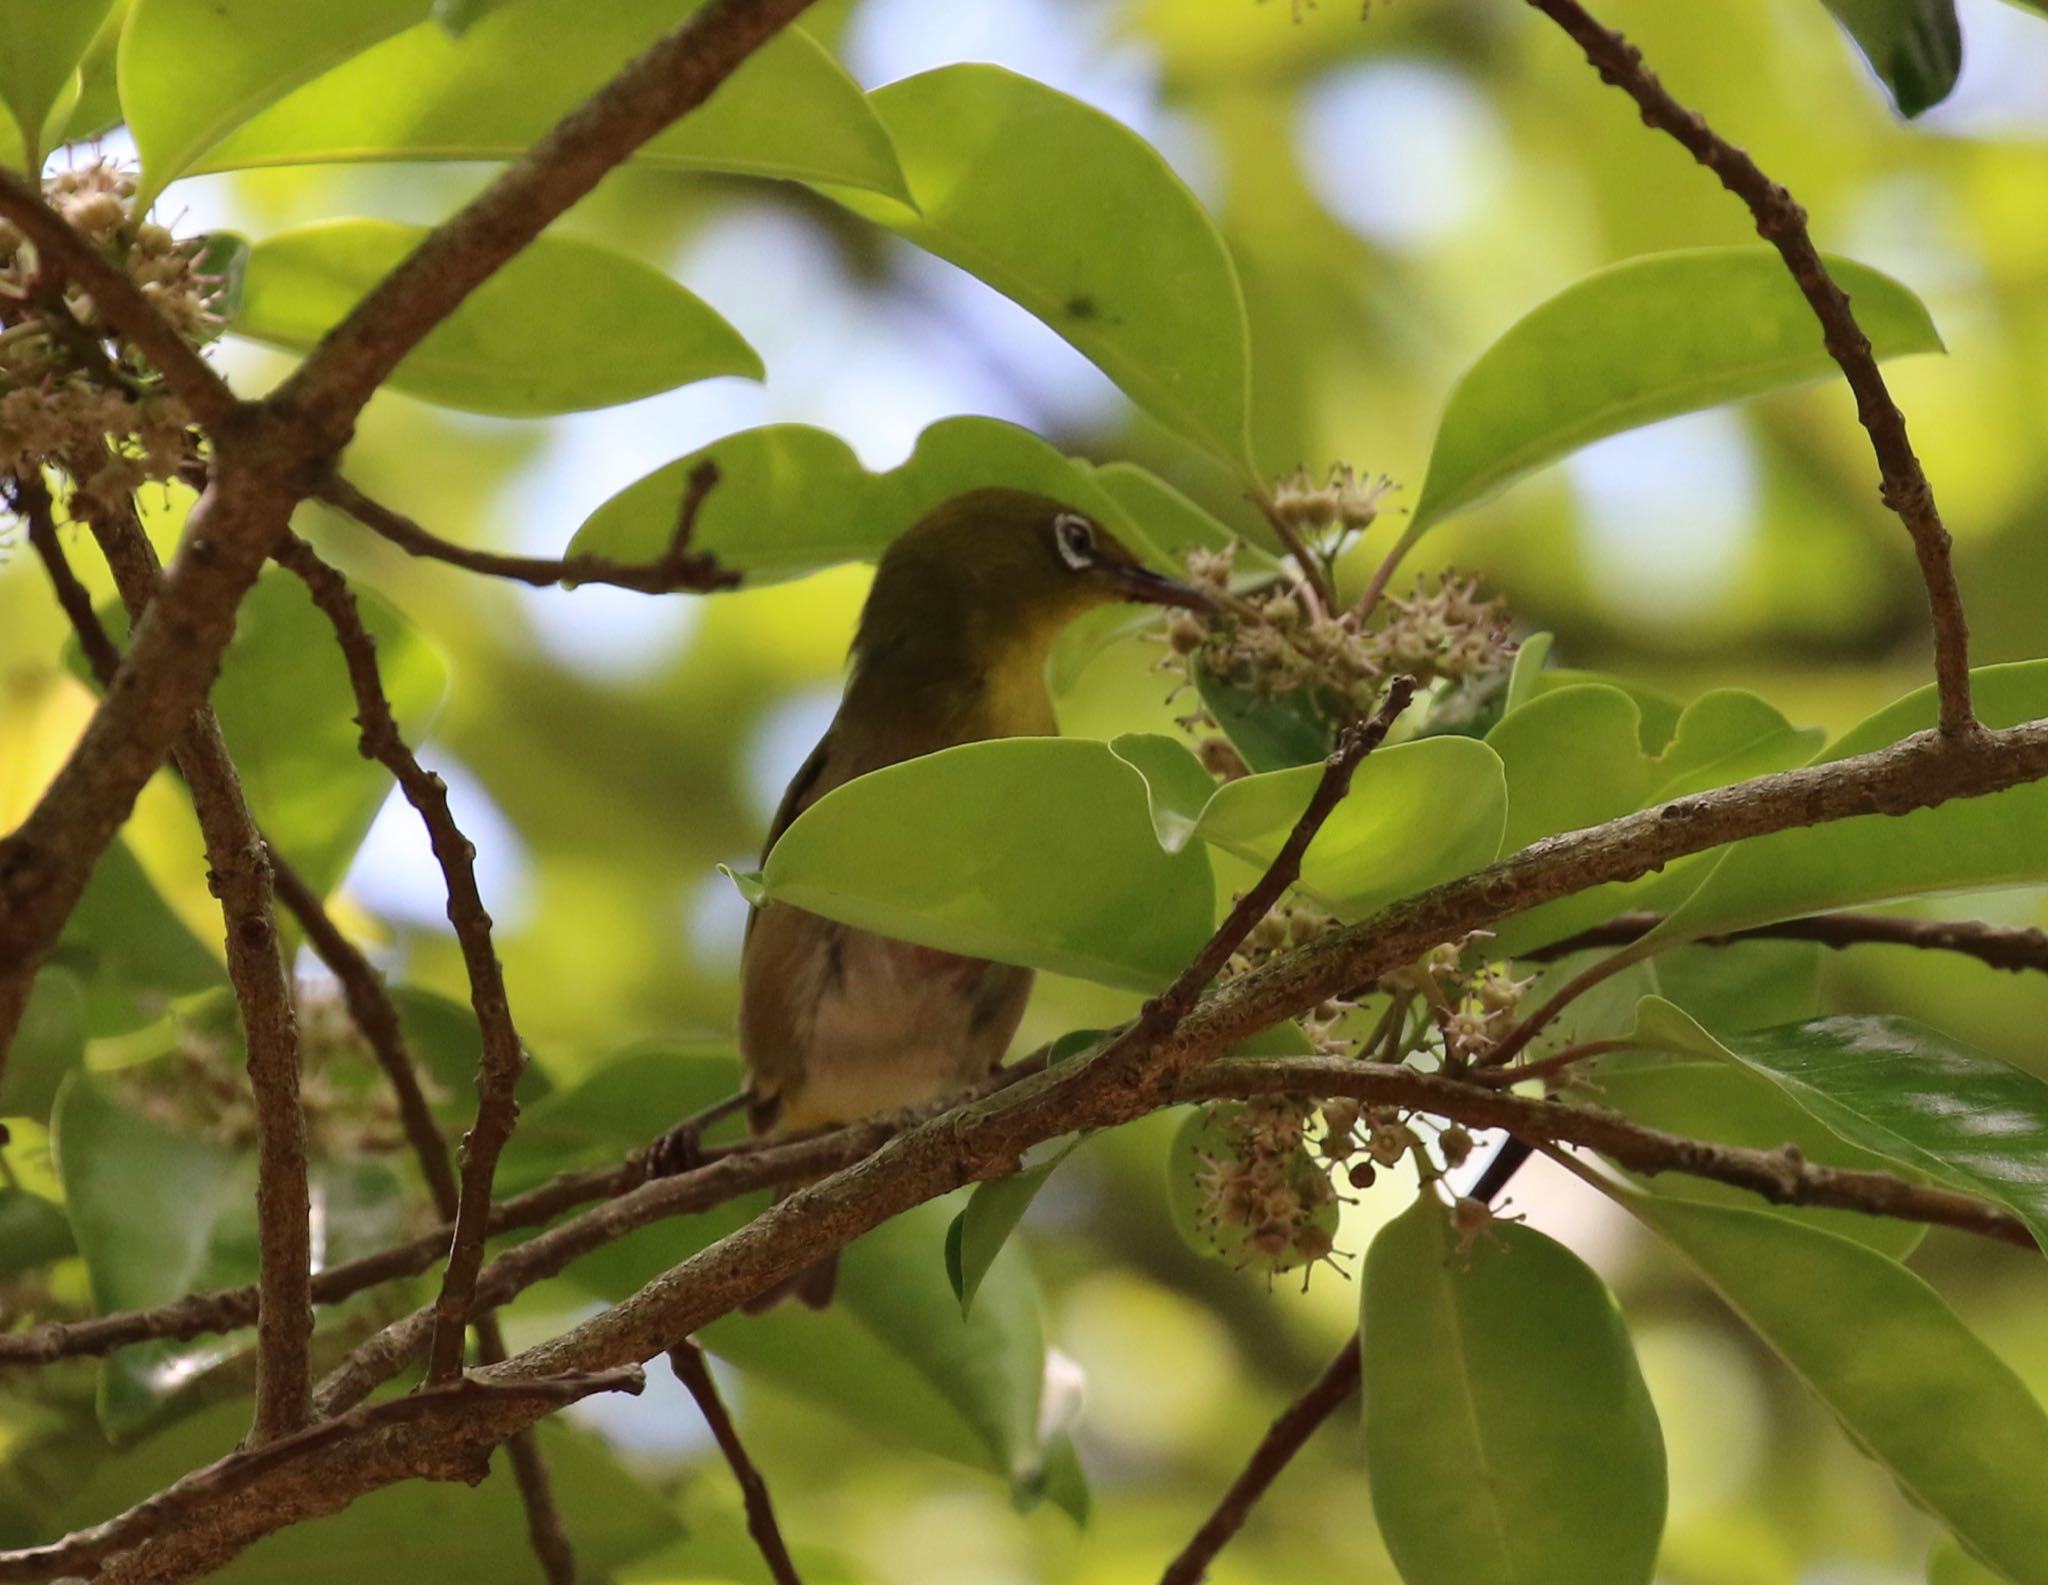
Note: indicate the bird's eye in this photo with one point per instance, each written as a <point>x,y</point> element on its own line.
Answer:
<point>1076,540</point>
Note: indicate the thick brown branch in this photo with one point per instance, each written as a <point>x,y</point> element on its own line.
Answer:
<point>2014,948</point>
<point>677,568</point>
<point>180,1503</point>
<point>239,874</point>
<point>503,1059</point>
<point>687,1360</point>
<point>119,299</point>
<point>1781,222</point>
<point>1286,1437</point>
<point>674,76</point>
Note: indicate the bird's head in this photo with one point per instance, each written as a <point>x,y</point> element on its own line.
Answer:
<point>1010,566</point>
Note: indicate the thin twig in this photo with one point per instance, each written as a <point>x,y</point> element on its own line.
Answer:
<point>2015,948</point>
<point>544,1529</point>
<point>687,1360</point>
<point>1286,1437</point>
<point>1516,1039</point>
<point>677,568</point>
<point>1781,222</point>
<point>84,1550</point>
<point>503,1058</point>
<point>239,875</point>
<point>1314,575</point>
<point>119,299</point>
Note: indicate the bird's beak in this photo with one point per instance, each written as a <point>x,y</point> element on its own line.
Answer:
<point>1134,582</point>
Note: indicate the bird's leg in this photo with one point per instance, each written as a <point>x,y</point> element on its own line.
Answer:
<point>682,1147</point>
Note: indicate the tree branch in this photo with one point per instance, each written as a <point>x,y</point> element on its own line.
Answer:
<point>2014,948</point>
<point>687,1360</point>
<point>677,568</point>
<point>503,1059</point>
<point>189,375</point>
<point>1287,1436</point>
<point>1781,222</point>
<point>675,75</point>
<point>239,875</point>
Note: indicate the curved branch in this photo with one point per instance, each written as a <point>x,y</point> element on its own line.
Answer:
<point>2014,948</point>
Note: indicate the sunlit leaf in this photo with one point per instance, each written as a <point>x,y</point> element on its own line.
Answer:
<point>1572,760</point>
<point>567,325</point>
<point>993,1209</point>
<point>2000,840</point>
<point>1919,1098</point>
<point>1646,339</point>
<point>791,499</point>
<point>1509,1437</point>
<point>1416,814</point>
<point>1914,46</point>
<point>789,111</point>
<point>1177,788</point>
<point>1883,1351</point>
<point>193,70</point>
<point>44,44</point>
<point>1037,851</point>
<point>1076,218</point>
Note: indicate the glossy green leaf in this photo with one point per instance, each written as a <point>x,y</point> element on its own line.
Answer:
<point>992,157</point>
<point>1417,814</point>
<point>414,1530</point>
<point>1706,1096</point>
<point>567,325</point>
<point>790,111</point>
<point>1968,843</point>
<point>1271,732</point>
<point>993,1209</point>
<point>1177,788</point>
<point>132,955</point>
<point>44,44</point>
<point>33,1232</point>
<point>1919,1098</point>
<point>193,70</point>
<point>1883,1351</point>
<point>48,1046</point>
<point>791,499</point>
<point>1914,46</point>
<point>1037,851</point>
<point>1509,1437</point>
<point>1645,339</point>
<point>1204,1138</point>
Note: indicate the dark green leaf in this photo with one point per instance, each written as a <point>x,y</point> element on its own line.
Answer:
<point>1881,1349</point>
<point>1037,851</point>
<point>1919,1098</point>
<point>790,111</point>
<point>1914,46</point>
<point>567,325</point>
<point>1509,1437</point>
<point>977,1235</point>
<point>619,1107</point>
<point>1077,219</point>
<point>1642,340</point>
<point>48,1046</point>
<point>44,46</point>
<point>1272,732</point>
<point>33,1231</point>
<point>131,953</point>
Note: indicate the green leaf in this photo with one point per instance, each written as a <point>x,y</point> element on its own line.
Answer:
<point>618,1107</point>
<point>1206,1136</point>
<point>45,43</point>
<point>33,1231</point>
<point>1949,1564</point>
<point>1037,851</point>
<point>1914,46</point>
<point>567,325</point>
<point>1709,1096</point>
<point>1177,788</point>
<point>1271,732</point>
<point>896,1354</point>
<point>1645,339</point>
<point>1880,1348</point>
<point>1968,843</point>
<point>415,1530</point>
<point>193,70</point>
<point>48,1046</point>
<point>1077,219</point>
<point>132,954</point>
<point>1919,1098</point>
<point>1572,759</point>
<point>790,111</point>
<point>1509,1437</point>
<point>977,1235</point>
<point>1417,814</point>
<point>792,499</point>
<point>1530,656</point>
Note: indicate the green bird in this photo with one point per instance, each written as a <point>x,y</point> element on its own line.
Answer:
<point>837,1023</point>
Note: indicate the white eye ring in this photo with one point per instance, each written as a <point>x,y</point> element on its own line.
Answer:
<point>1076,540</point>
